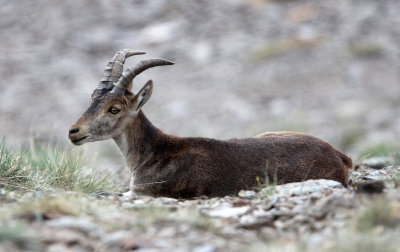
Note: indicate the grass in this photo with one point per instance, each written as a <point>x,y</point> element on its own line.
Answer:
<point>383,150</point>
<point>366,49</point>
<point>283,46</point>
<point>267,187</point>
<point>49,167</point>
<point>380,150</point>
<point>12,167</point>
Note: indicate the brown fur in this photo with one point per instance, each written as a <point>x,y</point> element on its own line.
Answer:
<point>186,167</point>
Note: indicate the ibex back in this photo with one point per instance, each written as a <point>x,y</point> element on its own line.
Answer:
<point>184,167</point>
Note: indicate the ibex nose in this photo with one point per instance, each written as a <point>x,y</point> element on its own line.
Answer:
<point>74,130</point>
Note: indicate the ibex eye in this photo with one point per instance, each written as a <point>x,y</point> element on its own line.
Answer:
<point>114,110</point>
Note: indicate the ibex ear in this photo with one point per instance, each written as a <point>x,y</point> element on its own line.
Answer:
<point>144,95</point>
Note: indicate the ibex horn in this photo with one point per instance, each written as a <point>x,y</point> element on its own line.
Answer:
<point>129,74</point>
<point>114,68</point>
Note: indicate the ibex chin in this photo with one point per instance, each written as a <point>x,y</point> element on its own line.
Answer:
<point>185,167</point>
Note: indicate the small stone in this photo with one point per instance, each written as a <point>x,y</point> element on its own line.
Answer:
<point>129,205</point>
<point>101,193</point>
<point>72,222</point>
<point>165,200</point>
<point>376,175</point>
<point>117,237</point>
<point>376,162</point>
<point>369,186</point>
<point>257,224</point>
<point>67,237</point>
<point>226,211</point>
<point>247,194</point>
<point>204,248</point>
<point>240,202</point>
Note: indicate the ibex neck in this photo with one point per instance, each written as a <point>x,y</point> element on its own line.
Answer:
<point>138,140</point>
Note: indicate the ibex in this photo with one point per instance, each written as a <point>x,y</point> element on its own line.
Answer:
<point>185,167</point>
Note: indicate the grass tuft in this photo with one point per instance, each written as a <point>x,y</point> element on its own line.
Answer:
<point>50,167</point>
<point>382,150</point>
<point>12,167</point>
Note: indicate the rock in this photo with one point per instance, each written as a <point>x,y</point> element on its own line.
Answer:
<point>72,222</point>
<point>129,244</point>
<point>376,162</point>
<point>375,175</point>
<point>240,202</point>
<point>247,194</point>
<point>369,186</point>
<point>204,248</point>
<point>307,187</point>
<point>226,211</point>
<point>66,237</point>
<point>165,200</point>
<point>101,193</point>
<point>257,224</point>
<point>116,237</point>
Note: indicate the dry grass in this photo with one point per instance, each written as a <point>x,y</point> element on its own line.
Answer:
<point>49,168</point>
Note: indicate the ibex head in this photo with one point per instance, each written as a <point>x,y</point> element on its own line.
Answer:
<point>112,103</point>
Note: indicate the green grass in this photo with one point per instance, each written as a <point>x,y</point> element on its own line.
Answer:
<point>49,167</point>
<point>382,150</point>
<point>366,49</point>
<point>279,47</point>
<point>267,187</point>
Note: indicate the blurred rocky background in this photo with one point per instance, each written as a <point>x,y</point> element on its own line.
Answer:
<point>329,68</point>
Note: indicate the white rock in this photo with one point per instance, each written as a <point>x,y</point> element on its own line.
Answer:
<point>226,212</point>
<point>307,187</point>
<point>72,222</point>
<point>247,194</point>
<point>204,248</point>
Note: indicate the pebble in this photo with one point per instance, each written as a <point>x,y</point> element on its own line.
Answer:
<point>204,248</point>
<point>72,222</point>
<point>226,211</point>
<point>247,194</point>
<point>377,162</point>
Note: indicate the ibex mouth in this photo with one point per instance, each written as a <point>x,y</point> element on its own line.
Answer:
<point>76,141</point>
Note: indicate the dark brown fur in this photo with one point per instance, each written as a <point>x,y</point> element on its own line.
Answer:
<point>184,167</point>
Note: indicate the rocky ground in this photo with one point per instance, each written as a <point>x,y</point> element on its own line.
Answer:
<point>312,215</point>
<point>329,68</point>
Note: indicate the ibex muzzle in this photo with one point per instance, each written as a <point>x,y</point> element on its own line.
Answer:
<point>184,167</point>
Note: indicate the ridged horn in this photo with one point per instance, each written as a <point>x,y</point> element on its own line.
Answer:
<point>131,73</point>
<point>114,68</point>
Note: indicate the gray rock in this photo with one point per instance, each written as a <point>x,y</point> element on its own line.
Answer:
<point>307,187</point>
<point>375,175</point>
<point>72,222</point>
<point>377,162</point>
